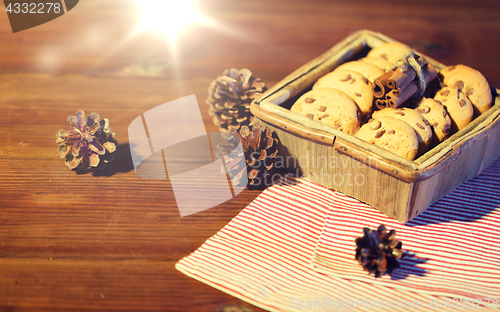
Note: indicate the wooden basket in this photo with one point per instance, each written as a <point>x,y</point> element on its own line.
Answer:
<point>400,188</point>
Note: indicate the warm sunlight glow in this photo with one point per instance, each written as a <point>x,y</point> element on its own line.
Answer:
<point>169,17</point>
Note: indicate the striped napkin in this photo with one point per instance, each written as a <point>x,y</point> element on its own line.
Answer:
<point>274,253</point>
<point>456,258</point>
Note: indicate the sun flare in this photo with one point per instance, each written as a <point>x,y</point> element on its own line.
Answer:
<point>169,17</point>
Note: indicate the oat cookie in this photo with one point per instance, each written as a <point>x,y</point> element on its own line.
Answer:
<point>389,51</point>
<point>472,83</point>
<point>370,71</point>
<point>392,134</point>
<point>458,107</point>
<point>354,85</point>
<point>415,120</point>
<point>331,107</point>
<point>381,63</point>
<point>435,113</point>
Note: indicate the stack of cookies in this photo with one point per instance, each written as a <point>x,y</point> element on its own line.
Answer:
<point>343,99</point>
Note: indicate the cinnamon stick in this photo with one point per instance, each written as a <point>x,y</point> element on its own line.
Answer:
<point>429,73</point>
<point>381,104</point>
<point>393,92</point>
<point>400,79</point>
<point>396,86</point>
<point>405,94</point>
<point>378,87</point>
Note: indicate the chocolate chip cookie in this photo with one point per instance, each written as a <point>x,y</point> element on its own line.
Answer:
<point>435,113</point>
<point>381,63</point>
<point>392,134</point>
<point>415,120</point>
<point>354,85</point>
<point>389,51</point>
<point>331,107</point>
<point>368,70</point>
<point>458,107</point>
<point>472,83</point>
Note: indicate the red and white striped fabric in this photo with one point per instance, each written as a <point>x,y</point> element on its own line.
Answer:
<point>457,255</point>
<point>264,254</point>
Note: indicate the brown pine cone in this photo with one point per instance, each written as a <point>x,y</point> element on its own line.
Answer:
<point>259,148</point>
<point>229,98</point>
<point>378,251</point>
<point>88,144</point>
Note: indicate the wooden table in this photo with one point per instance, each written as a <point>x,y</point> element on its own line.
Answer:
<point>110,241</point>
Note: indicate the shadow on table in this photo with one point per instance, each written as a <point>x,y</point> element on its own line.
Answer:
<point>121,164</point>
<point>275,176</point>
<point>409,267</point>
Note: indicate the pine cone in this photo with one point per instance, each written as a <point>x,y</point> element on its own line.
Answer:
<point>259,152</point>
<point>378,251</point>
<point>229,98</point>
<point>88,144</point>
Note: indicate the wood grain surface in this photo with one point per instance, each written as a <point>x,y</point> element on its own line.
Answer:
<point>109,241</point>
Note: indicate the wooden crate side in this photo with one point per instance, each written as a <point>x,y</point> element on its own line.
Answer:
<point>464,166</point>
<point>297,155</point>
<point>323,164</point>
<point>478,151</point>
<point>384,192</point>
<point>493,150</point>
<point>303,127</point>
